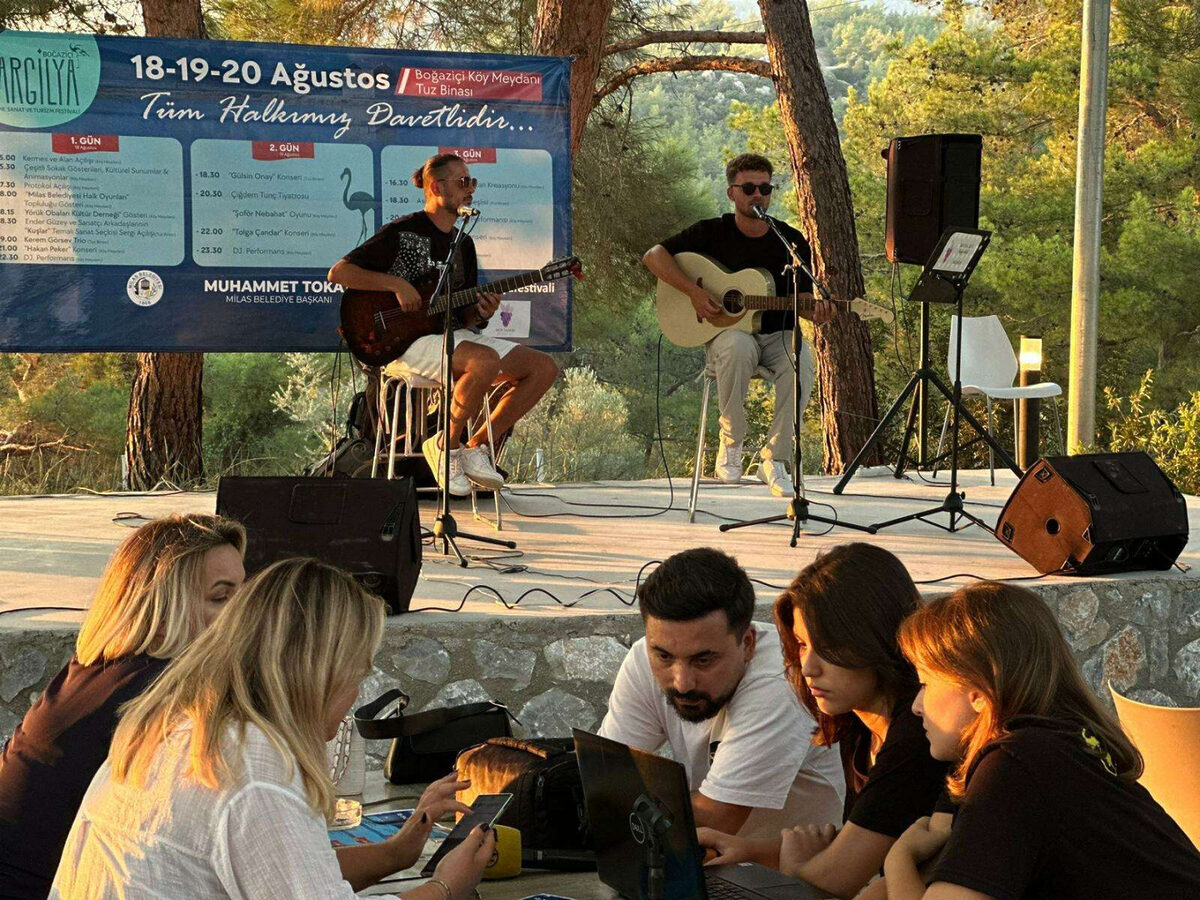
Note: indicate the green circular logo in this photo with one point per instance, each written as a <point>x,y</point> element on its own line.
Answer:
<point>46,79</point>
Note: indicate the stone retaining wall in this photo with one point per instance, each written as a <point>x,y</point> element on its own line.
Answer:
<point>1142,634</point>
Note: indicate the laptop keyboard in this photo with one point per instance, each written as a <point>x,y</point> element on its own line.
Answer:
<point>719,889</point>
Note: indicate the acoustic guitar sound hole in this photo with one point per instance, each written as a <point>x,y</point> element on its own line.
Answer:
<point>733,303</point>
<point>1052,526</point>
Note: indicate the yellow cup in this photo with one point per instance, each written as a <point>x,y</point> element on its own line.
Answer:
<point>506,858</point>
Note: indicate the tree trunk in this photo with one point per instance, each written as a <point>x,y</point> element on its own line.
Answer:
<point>575,28</point>
<point>164,428</point>
<point>845,366</point>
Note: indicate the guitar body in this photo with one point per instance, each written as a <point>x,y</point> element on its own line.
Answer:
<point>677,317</point>
<point>370,340</point>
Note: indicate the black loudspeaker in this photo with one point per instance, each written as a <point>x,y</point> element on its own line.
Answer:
<point>1094,514</point>
<point>369,527</point>
<point>932,184</point>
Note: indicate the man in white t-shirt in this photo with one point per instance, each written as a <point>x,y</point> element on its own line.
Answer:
<point>710,683</point>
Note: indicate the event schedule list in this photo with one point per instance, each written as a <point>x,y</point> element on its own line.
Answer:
<point>279,204</point>
<point>91,199</point>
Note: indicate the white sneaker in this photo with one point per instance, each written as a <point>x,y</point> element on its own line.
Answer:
<point>459,485</point>
<point>478,466</point>
<point>728,467</point>
<point>775,476</point>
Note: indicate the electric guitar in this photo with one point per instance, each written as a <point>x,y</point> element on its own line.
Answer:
<point>377,330</point>
<point>742,296</point>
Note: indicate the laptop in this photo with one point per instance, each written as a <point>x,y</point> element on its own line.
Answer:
<point>631,795</point>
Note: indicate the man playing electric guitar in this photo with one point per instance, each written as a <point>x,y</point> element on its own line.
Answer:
<point>739,241</point>
<point>405,251</point>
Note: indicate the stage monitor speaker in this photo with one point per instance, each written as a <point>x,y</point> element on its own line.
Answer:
<point>1094,514</point>
<point>369,527</point>
<point>932,184</point>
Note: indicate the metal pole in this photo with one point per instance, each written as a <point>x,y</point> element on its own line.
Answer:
<point>1089,184</point>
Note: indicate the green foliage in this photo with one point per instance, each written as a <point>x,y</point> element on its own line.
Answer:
<point>1171,437</point>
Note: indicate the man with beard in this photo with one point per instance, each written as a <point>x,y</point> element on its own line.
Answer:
<point>709,682</point>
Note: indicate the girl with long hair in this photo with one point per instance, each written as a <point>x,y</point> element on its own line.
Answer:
<point>837,622</point>
<point>1047,780</point>
<point>218,782</point>
<point>164,584</point>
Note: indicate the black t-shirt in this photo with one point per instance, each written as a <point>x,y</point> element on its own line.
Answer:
<point>1044,818</point>
<point>723,241</point>
<point>410,247</point>
<point>905,782</point>
<point>47,765</point>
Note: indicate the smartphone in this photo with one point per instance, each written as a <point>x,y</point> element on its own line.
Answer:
<point>487,808</point>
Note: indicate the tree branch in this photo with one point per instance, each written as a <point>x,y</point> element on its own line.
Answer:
<point>684,64</point>
<point>686,37</point>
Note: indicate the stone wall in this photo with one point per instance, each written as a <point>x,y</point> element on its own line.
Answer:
<point>1142,634</point>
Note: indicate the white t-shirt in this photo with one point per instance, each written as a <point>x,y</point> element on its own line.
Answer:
<point>174,838</point>
<point>764,756</point>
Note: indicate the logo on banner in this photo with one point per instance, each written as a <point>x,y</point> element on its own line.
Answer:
<point>46,79</point>
<point>469,84</point>
<point>510,321</point>
<point>144,287</point>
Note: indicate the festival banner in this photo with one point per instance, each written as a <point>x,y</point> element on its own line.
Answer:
<point>180,195</point>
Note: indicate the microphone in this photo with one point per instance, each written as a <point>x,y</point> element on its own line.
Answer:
<point>759,213</point>
<point>468,212</point>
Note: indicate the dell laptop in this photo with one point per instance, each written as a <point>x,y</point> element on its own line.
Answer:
<point>640,812</point>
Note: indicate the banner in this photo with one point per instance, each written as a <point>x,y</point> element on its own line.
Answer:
<point>192,195</point>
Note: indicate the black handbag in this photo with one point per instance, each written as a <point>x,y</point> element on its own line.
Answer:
<point>425,745</point>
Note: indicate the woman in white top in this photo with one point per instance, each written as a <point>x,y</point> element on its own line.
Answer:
<point>217,784</point>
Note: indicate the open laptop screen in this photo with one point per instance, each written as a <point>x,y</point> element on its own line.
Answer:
<point>629,792</point>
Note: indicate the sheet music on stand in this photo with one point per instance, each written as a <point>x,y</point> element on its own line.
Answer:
<point>950,265</point>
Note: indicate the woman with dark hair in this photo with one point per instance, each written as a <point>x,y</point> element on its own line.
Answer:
<point>838,622</point>
<point>1047,781</point>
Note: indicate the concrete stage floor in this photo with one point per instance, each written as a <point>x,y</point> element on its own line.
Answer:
<point>53,549</point>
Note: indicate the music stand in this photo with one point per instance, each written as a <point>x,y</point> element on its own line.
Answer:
<point>943,280</point>
<point>798,507</point>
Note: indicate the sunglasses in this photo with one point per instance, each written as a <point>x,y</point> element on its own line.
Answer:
<point>749,188</point>
<point>463,181</point>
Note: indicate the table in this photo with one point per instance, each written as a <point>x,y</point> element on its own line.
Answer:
<point>380,795</point>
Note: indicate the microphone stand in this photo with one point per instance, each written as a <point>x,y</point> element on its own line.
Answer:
<point>444,526</point>
<point>798,507</point>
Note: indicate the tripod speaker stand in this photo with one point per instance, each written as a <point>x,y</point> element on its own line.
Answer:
<point>943,281</point>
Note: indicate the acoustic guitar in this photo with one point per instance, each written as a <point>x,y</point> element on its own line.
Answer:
<point>377,330</point>
<point>742,296</point>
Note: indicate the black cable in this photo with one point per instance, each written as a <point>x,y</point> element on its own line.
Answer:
<point>487,588</point>
<point>5,612</point>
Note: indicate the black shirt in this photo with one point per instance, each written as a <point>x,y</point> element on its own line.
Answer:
<point>905,782</point>
<point>47,765</point>
<point>411,246</point>
<point>723,241</point>
<point>1044,818</point>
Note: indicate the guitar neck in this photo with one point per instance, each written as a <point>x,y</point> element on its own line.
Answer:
<point>468,296</point>
<point>765,301</point>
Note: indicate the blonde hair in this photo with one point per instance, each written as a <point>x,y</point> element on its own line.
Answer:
<point>294,636</point>
<point>1004,641</point>
<point>149,595</point>
<point>433,168</point>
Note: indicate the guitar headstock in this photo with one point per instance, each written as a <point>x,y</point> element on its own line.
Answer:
<point>868,310</point>
<point>562,268</point>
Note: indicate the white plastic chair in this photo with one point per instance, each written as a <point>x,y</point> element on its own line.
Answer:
<point>1169,741</point>
<point>400,380</point>
<point>989,367</point>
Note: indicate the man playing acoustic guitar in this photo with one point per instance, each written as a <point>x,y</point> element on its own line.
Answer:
<point>405,251</point>
<point>740,240</point>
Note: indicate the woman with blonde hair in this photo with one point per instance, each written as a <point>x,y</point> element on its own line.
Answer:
<point>218,782</point>
<point>164,584</point>
<point>1050,804</point>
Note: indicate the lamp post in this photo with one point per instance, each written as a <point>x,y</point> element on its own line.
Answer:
<point>1029,409</point>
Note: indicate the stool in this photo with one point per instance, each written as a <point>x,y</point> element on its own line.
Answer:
<point>710,378</point>
<point>399,379</point>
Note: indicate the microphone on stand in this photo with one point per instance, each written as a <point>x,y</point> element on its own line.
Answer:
<point>759,213</point>
<point>468,212</point>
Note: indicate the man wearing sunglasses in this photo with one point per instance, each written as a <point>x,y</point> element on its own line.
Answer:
<point>405,251</point>
<point>739,240</point>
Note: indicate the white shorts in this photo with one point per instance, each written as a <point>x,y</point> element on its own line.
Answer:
<point>424,355</point>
